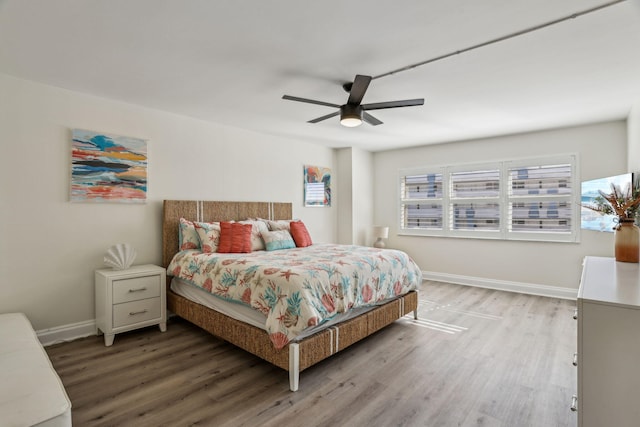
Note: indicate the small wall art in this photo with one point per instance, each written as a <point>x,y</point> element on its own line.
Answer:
<point>108,168</point>
<point>317,186</point>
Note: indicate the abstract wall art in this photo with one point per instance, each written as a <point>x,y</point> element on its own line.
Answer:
<point>108,168</point>
<point>317,186</point>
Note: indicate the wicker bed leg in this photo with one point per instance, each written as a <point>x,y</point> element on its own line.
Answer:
<point>294,366</point>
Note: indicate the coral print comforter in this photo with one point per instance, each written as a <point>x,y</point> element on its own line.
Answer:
<point>302,287</point>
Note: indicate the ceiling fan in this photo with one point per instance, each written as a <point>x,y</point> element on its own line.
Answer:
<point>353,113</point>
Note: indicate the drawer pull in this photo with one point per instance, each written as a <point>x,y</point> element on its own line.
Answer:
<point>575,314</point>
<point>574,403</point>
<point>575,359</point>
<point>133,313</point>
<point>138,290</point>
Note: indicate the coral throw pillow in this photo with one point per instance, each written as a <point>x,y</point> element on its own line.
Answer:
<point>234,237</point>
<point>300,234</point>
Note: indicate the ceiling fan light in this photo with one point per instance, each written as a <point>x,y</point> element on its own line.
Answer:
<point>350,116</point>
<point>350,122</point>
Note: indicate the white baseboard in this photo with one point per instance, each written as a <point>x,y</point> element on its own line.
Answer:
<point>71,332</point>
<point>503,285</point>
<point>66,332</point>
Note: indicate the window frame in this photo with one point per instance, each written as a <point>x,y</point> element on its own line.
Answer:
<point>504,200</point>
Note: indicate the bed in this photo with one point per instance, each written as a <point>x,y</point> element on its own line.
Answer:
<point>296,352</point>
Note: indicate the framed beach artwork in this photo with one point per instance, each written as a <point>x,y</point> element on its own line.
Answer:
<point>108,168</point>
<point>317,186</point>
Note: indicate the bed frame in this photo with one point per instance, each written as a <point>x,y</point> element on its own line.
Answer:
<point>294,357</point>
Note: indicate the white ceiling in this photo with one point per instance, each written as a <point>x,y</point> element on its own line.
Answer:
<point>230,62</point>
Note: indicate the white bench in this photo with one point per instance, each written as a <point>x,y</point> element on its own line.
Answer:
<point>31,393</point>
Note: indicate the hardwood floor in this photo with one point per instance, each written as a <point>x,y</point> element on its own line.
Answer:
<point>476,357</point>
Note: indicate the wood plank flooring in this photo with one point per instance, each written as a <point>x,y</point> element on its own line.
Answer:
<point>476,357</point>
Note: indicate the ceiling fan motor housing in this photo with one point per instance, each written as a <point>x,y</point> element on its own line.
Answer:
<point>351,115</point>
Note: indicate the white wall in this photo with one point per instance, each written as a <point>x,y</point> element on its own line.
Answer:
<point>602,150</point>
<point>633,130</point>
<point>362,178</point>
<point>345,196</point>
<point>50,247</point>
<point>355,216</point>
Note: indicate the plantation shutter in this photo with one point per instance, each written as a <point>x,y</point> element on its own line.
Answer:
<point>475,203</point>
<point>421,201</point>
<point>540,198</point>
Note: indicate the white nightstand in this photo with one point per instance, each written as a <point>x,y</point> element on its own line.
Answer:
<point>130,299</point>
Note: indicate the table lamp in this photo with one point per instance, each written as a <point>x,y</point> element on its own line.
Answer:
<point>379,233</point>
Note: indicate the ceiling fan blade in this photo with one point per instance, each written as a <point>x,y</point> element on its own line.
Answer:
<point>358,89</point>
<point>370,119</point>
<point>328,116</point>
<point>393,104</point>
<point>310,101</point>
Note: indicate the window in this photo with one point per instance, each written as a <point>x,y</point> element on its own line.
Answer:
<point>423,209</point>
<point>474,200</point>
<point>540,198</point>
<point>534,199</point>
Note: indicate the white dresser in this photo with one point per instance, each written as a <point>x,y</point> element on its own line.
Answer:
<point>130,299</point>
<point>608,356</point>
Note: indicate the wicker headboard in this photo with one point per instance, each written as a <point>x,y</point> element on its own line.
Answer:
<point>210,211</point>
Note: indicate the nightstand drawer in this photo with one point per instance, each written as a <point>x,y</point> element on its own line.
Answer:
<point>136,311</point>
<point>136,288</point>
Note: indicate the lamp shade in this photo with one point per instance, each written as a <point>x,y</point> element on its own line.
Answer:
<point>380,232</point>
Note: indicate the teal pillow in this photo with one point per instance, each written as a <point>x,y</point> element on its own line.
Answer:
<point>280,239</point>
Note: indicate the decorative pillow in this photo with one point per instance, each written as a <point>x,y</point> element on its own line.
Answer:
<point>234,237</point>
<point>300,234</point>
<point>279,239</point>
<point>257,228</point>
<point>281,224</point>
<point>187,235</point>
<point>209,235</point>
<point>262,220</point>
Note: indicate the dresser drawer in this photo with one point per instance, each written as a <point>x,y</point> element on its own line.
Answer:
<point>136,288</point>
<point>129,313</point>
